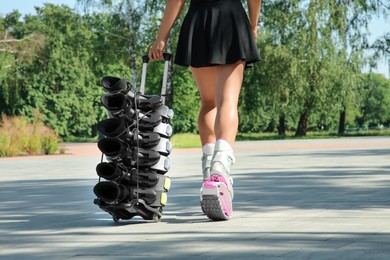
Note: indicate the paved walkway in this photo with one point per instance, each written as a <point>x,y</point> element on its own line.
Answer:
<point>301,199</point>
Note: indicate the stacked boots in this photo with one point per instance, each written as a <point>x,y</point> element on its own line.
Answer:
<point>136,146</point>
<point>217,189</point>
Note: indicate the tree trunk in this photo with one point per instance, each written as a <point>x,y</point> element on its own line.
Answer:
<point>343,115</point>
<point>313,70</point>
<point>282,125</point>
<point>271,127</point>
<point>302,125</point>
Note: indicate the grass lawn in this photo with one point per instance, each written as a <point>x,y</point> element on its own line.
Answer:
<point>193,141</point>
<point>188,140</point>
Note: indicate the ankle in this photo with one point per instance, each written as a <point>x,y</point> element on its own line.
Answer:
<point>223,159</point>
<point>208,151</point>
<point>223,149</point>
<point>223,145</point>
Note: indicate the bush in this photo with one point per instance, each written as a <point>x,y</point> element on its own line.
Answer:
<point>18,136</point>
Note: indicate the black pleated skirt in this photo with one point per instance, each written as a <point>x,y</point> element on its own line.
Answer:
<point>215,32</point>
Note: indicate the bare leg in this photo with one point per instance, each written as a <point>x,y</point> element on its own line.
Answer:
<point>228,85</point>
<point>205,79</point>
<point>217,190</point>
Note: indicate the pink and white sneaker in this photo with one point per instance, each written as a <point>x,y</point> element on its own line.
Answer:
<point>216,194</point>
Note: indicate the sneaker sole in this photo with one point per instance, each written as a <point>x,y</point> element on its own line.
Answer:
<point>216,201</point>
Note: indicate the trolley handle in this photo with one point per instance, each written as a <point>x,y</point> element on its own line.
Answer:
<point>167,57</point>
<point>145,61</point>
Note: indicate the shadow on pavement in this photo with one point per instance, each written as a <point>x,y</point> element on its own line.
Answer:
<point>60,212</point>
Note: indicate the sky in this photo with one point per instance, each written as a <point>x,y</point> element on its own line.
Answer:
<point>27,6</point>
<point>378,27</point>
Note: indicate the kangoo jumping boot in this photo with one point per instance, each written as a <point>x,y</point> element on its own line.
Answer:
<point>208,151</point>
<point>217,191</point>
<point>207,156</point>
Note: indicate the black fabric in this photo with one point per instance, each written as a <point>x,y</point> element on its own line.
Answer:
<point>215,32</point>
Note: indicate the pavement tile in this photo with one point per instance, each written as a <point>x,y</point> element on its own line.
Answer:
<point>295,199</point>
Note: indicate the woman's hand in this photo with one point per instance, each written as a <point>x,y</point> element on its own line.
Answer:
<point>254,31</point>
<point>254,7</point>
<point>156,51</point>
<point>171,12</point>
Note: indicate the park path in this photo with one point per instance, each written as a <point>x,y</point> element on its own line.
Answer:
<point>294,199</point>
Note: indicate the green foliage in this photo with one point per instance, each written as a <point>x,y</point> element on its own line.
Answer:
<point>376,104</point>
<point>309,76</point>
<point>19,136</point>
<point>186,102</point>
<point>6,62</point>
<point>58,80</point>
<point>312,52</point>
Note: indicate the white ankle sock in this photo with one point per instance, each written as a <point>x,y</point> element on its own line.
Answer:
<point>208,149</point>
<point>222,145</point>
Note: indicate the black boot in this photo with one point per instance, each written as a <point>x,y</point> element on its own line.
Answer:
<point>111,192</point>
<point>116,85</point>
<point>113,171</point>
<point>118,105</point>
<point>120,85</point>
<point>116,150</point>
<point>119,127</point>
<point>119,151</point>
<point>118,172</point>
<point>144,178</point>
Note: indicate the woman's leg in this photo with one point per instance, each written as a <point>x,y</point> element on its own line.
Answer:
<point>217,191</point>
<point>205,79</point>
<point>228,85</point>
<point>219,89</point>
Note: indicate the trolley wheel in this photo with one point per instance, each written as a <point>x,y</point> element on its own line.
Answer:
<point>156,217</point>
<point>115,218</point>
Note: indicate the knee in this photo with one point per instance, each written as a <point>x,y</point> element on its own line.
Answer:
<point>208,104</point>
<point>227,104</point>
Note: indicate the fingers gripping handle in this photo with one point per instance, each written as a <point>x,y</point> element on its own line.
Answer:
<point>145,61</point>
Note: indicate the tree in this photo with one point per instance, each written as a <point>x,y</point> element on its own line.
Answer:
<point>337,29</point>
<point>277,76</point>
<point>15,54</point>
<point>145,18</point>
<point>58,81</point>
<point>382,45</point>
<point>375,110</point>
<point>350,19</point>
